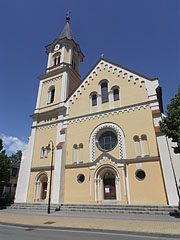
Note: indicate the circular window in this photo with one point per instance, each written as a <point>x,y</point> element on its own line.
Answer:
<point>80,178</point>
<point>107,141</point>
<point>140,175</point>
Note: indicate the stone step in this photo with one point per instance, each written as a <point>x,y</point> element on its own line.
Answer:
<point>33,206</point>
<point>131,209</point>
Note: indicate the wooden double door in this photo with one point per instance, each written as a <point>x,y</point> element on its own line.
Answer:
<point>109,186</point>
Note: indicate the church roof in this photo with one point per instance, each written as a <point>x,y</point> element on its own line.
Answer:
<point>66,32</point>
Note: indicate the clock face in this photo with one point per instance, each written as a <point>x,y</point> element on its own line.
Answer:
<point>57,46</point>
<point>76,52</point>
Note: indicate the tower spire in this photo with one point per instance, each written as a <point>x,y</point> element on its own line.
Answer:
<point>66,32</point>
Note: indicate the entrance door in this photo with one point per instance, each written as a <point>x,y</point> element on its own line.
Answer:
<point>44,190</point>
<point>109,186</point>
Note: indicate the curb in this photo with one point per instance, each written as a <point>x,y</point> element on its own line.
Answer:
<point>32,227</point>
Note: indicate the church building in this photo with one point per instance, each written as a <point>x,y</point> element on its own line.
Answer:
<point>98,139</point>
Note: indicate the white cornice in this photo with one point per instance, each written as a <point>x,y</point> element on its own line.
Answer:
<point>52,80</point>
<point>150,85</point>
<point>103,113</point>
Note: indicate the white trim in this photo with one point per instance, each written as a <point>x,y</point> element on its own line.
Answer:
<point>141,147</point>
<point>78,155</point>
<point>39,97</point>
<point>97,179</point>
<point>25,168</point>
<point>167,170</point>
<point>111,100</point>
<point>49,60</point>
<point>124,184</point>
<point>90,179</point>
<point>62,55</point>
<point>127,185</point>
<point>120,135</point>
<point>151,85</point>
<point>95,189</point>
<point>64,87</point>
<point>58,179</point>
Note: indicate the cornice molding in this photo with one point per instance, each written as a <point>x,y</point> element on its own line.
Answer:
<point>119,162</point>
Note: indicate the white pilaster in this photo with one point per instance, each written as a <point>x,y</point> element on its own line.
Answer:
<point>127,185</point>
<point>49,60</point>
<point>64,88</point>
<point>78,157</point>
<point>99,106</point>
<point>167,170</point>
<point>111,101</point>
<point>141,147</point>
<point>57,167</point>
<point>90,104</point>
<point>39,97</point>
<point>95,189</point>
<point>62,55</point>
<point>99,189</point>
<point>25,170</point>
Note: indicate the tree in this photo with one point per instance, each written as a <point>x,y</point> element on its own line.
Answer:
<point>170,125</point>
<point>16,158</point>
<point>4,168</point>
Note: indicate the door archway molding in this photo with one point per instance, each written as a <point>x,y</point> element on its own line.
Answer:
<point>98,181</point>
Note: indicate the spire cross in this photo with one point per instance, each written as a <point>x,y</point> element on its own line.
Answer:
<point>67,16</point>
<point>102,55</point>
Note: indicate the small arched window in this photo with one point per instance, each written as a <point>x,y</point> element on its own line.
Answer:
<point>57,59</point>
<point>51,94</point>
<point>145,145</point>
<point>116,94</point>
<point>94,100</point>
<point>81,145</point>
<point>137,148</point>
<point>104,92</point>
<point>42,152</point>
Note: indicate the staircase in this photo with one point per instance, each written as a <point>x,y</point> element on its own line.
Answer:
<point>105,207</point>
<point>119,209</point>
<point>33,207</point>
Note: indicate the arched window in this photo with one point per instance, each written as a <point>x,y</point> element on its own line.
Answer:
<point>116,94</point>
<point>94,99</point>
<point>137,148</point>
<point>57,59</point>
<point>104,92</point>
<point>42,152</point>
<point>51,94</point>
<point>145,145</point>
<point>74,153</point>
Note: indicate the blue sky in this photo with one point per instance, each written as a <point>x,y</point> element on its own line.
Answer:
<point>142,35</point>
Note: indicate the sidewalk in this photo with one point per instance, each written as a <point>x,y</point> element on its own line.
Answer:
<point>164,226</point>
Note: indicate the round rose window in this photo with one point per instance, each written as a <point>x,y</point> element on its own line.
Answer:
<point>107,141</point>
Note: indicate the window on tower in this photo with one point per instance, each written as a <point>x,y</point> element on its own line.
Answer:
<point>51,94</point>
<point>57,59</point>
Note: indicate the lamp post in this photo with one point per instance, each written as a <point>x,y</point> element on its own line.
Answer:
<point>50,182</point>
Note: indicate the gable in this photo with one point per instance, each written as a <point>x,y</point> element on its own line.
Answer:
<point>134,88</point>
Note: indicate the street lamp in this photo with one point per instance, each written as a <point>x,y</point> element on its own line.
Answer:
<point>50,182</point>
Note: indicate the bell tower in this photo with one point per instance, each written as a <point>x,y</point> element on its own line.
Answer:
<point>64,50</point>
<point>64,58</point>
<point>61,78</point>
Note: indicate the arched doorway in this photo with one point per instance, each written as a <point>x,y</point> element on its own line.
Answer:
<point>41,187</point>
<point>109,186</point>
<point>107,183</point>
<point>43,194</point>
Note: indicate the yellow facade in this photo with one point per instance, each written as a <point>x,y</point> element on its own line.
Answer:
<point>101,131</point>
